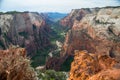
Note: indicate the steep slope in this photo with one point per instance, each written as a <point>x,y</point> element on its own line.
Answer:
<point>97,33</point>
<point>89,66</point>
<point>25,29</point>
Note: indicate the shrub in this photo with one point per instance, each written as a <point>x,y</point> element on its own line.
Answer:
<point>15,66</point>
<point>51,75</point>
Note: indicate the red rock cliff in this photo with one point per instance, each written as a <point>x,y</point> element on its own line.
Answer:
<point>76,15</point>
<point>96,32</point>
<point>25,29</point>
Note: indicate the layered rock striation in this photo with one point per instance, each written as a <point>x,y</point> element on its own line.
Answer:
<point>26,29</point>
<point>76,15</point>
<point>97,32</point>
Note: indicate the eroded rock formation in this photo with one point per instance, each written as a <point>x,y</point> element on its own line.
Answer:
<point>97,32</point>
<point>76,15</point>
<point>26,29</point>
<point>89,66</point>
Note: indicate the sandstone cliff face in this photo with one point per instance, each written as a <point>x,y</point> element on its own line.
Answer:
<point>89,66</point>
<point>25,29</point>
<point>76,15</point>
<point>96,32</point>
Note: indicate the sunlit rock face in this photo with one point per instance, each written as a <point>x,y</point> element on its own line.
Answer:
<point>25,29</point>
<point>76,15</point>
<point>97,32</point>
<point>89,66</point>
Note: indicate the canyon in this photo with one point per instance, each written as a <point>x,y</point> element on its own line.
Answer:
<point>86,42</point>
<point>28,30</point>
<point>97,32</point>
<point>93,29</point>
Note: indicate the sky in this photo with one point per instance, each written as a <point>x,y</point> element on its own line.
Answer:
<point>63,6</point>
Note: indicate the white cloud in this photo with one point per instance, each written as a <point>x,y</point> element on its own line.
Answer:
<point>53,5</point>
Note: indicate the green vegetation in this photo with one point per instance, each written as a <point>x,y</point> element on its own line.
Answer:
<point>19,68</point>
<point>51,75</point>
<point>2,44</point>
<point>1,12</point>
<point>101,22</point>
<point>67,64</point>
<point>40,57</point>
<point>25,34</point>
<point>34,27</point>
<point>12,12</point>
<point>58,34</point>
<point>113,36</point>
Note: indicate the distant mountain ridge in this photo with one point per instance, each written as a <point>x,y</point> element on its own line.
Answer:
<point>54,16</point>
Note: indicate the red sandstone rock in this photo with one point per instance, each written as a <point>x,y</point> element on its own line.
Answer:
<point>97,32</point>
<point>89,66</point>
<point>75,15</point>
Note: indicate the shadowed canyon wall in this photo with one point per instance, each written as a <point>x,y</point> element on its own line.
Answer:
<point>26,29</point>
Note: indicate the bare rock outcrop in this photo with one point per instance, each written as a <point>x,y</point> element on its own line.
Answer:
<point>89,66</point>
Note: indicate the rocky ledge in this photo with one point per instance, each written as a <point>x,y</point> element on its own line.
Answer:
<point>89,66</point>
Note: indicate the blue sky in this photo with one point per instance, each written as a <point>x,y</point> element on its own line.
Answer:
<point>63,6</point>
